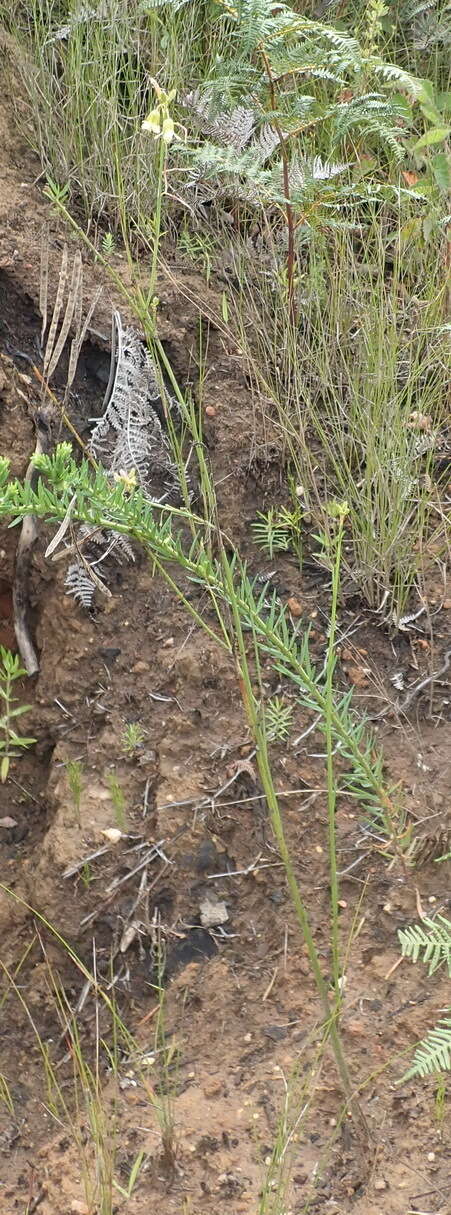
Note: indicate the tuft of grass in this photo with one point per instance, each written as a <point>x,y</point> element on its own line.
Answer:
<point>133,737</point>
<point>358,394</point>
<point>74,770</point>
<point>118,799</point>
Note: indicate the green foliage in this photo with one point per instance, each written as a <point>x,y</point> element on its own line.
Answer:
<point>74,772</point>
<point>108,244</point>
<point>133,737</point>
<point>228,586</point>
<point>278,529</point>
<point>118,799</point>
<point>278,719</point>
<point>11,743</point>
<point>430,941</point>
<point>273,56</point>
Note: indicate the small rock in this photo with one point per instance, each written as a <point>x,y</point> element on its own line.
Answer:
<point>356,1028</point>
<point>109,653</point>
<point>112,834</point>
<point>358,676</point>
<point>212,1087</point>
<point>210,411</point>
<point>212,914</point>
<point>140,667</point>
<point>276,1032</point>
<point>380,1184</point>
<point>294,606</point>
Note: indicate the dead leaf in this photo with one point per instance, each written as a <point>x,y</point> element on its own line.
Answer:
<point>242,765</point>
<point>411,179</point>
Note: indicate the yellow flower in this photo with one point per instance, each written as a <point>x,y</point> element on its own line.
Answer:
<point>167,130</point>
<point>128,480</point>
<point>153,122</point>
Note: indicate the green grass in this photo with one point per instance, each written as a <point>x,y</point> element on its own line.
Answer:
<point>359,395</point>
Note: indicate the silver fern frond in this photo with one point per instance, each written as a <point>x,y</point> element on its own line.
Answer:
<point>129,434</point>
<point>79,585</point>
<point>234,127</point>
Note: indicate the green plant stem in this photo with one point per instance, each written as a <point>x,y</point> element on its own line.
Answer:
<point>156,235</point>
<point>265,773</point>
<point>331,783</point>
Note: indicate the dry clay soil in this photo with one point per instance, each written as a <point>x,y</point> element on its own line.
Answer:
<point>241,1012</point>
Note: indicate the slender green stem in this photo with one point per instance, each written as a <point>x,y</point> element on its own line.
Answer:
<point>335,548</point>
<point>156,234</point>
<point>265,773</point>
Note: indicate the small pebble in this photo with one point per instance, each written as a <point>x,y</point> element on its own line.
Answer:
<point>210,411</point>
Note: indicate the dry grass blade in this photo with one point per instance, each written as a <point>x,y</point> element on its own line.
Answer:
<point>56,312</point>
<point>44,279</point>
<point>71,305</point>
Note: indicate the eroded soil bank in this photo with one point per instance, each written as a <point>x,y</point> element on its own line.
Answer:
<point>240,1007</point>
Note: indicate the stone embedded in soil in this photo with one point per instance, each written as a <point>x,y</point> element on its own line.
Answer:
<point>212,1087</point>
<point>212,913</point>
<point>294,606</point>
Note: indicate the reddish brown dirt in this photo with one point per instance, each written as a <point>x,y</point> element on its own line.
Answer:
<point>241,1014</point>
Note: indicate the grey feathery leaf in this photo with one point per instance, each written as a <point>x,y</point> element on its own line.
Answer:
<point>129,435</point>
<point>79,585</point>
<point>233,128</point>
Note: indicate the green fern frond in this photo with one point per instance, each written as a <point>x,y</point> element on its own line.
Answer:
<point>259,21</point>
<point>394,75</point>
<point>430,941</point>
<point>434,1053</point>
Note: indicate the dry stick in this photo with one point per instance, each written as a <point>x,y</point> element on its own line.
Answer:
<point>27,540</point>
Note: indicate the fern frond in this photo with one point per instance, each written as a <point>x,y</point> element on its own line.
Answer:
<point>79,585</point>
<point>392,74</point>
<point>234,128</point>
<point>430,941</point>
<point>129,434</point>
<point>434,1053</point>
<point>259,21</point>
